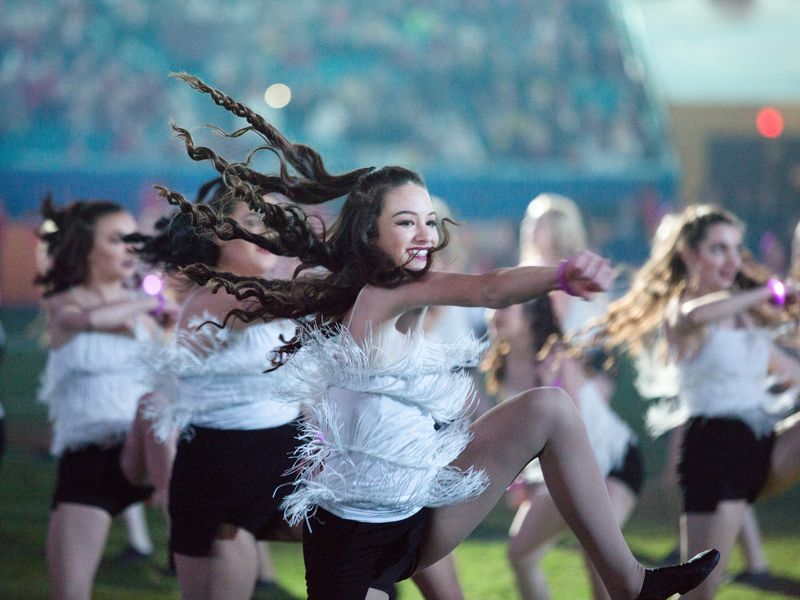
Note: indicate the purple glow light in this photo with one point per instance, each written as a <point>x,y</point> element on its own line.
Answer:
<point>152,284</point>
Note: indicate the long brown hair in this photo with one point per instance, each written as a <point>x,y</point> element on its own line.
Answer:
<point>69,240</point>
<point>545,332</point>
<point>633,321</point>
<point>346,253</point>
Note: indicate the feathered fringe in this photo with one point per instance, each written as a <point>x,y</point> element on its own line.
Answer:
<point>371,463</point>
<point>429,375</point>
<point>208,368</point>
<point>666,414</point>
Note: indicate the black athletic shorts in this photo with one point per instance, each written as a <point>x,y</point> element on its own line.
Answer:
<point>92,476</point>
<point>226,476</point>
<point>631,471</point>
<point>722,459</point>
<point>345,558</point>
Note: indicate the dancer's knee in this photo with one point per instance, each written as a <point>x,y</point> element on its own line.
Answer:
<point>549,405</point>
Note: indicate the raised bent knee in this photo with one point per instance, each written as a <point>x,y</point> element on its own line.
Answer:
<point>549,405</point>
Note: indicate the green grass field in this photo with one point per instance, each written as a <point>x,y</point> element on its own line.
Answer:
<point>27,476</point>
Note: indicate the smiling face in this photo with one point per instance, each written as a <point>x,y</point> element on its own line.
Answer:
<point>714,264</point>
<point>110,258</point>
<point>242,257</point>
<point>407,226</point>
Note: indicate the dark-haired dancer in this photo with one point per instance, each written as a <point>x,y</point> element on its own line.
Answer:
<point>514,362</point>
<point>391,476</point>
<point>712,309</point>
<point>92,381</point>
<point>228,476</point>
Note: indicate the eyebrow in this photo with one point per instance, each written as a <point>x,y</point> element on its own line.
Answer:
<point>411,212</point>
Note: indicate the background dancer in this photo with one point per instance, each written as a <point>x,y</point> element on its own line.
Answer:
<point>97,328</point>
<point>515,363</point>
<point>696,287</point>
<point>237,435</point>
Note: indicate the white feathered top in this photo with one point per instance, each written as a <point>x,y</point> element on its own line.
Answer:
<point>727,377</point>
<point>214,377</point>
<point>91,386</point>
<point>383,426</point>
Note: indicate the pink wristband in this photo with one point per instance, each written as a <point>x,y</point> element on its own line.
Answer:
<point>162,303</point>
<point>561,277</point>
<point>778,290</point>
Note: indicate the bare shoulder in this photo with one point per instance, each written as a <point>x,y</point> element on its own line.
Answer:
<point>216,305</point>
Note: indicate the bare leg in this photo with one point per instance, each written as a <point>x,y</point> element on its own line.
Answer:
<point>785,463</point>
<point>228,574</point>
<point>623,501</point>
<point>76,537</point>
<point>439,581</point>
<point>536,524</point>
<point>266,568</point>
<point>540,422</point>
<point>719,530</point>
<point>132,458</point>
<point>750,541</point>
<point>136,525</point>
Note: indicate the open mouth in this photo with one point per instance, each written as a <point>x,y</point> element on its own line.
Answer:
<point>419,254</point>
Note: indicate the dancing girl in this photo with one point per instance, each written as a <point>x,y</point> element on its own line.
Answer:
<point>713,311</point>
<point>98,330</point>
<point>391,476</point>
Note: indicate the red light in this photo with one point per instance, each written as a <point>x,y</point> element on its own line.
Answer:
<point>769,122</point>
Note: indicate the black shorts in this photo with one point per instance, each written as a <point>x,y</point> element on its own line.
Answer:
<point>345,558</point>
<point>722,459</point>
<point>92,476</point>
<point>223,476</point>
<point>631,471</point>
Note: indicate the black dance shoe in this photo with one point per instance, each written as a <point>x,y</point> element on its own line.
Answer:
<point>663,582</point>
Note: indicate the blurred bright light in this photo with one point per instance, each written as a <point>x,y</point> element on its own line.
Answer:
<point>769,122</point>
<point>152,284</point>
<point>49,226</point>
<point>278,95</point>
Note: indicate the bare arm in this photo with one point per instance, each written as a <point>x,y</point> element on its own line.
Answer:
<point>716,307</point>
<point>586,274</point>
<point>72,317</point>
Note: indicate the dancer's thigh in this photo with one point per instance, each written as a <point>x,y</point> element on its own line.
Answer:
<point>504,440</point>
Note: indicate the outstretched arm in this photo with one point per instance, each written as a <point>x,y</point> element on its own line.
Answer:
<point>717,306</point>
<point>583,275</point>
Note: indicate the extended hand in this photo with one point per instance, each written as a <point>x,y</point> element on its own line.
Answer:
<point>586,273</point>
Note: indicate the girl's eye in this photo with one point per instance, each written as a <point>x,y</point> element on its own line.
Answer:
<point>431,223</point>
<point>406,222</point>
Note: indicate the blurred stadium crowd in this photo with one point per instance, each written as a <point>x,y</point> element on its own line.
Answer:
<point>466,84</point>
